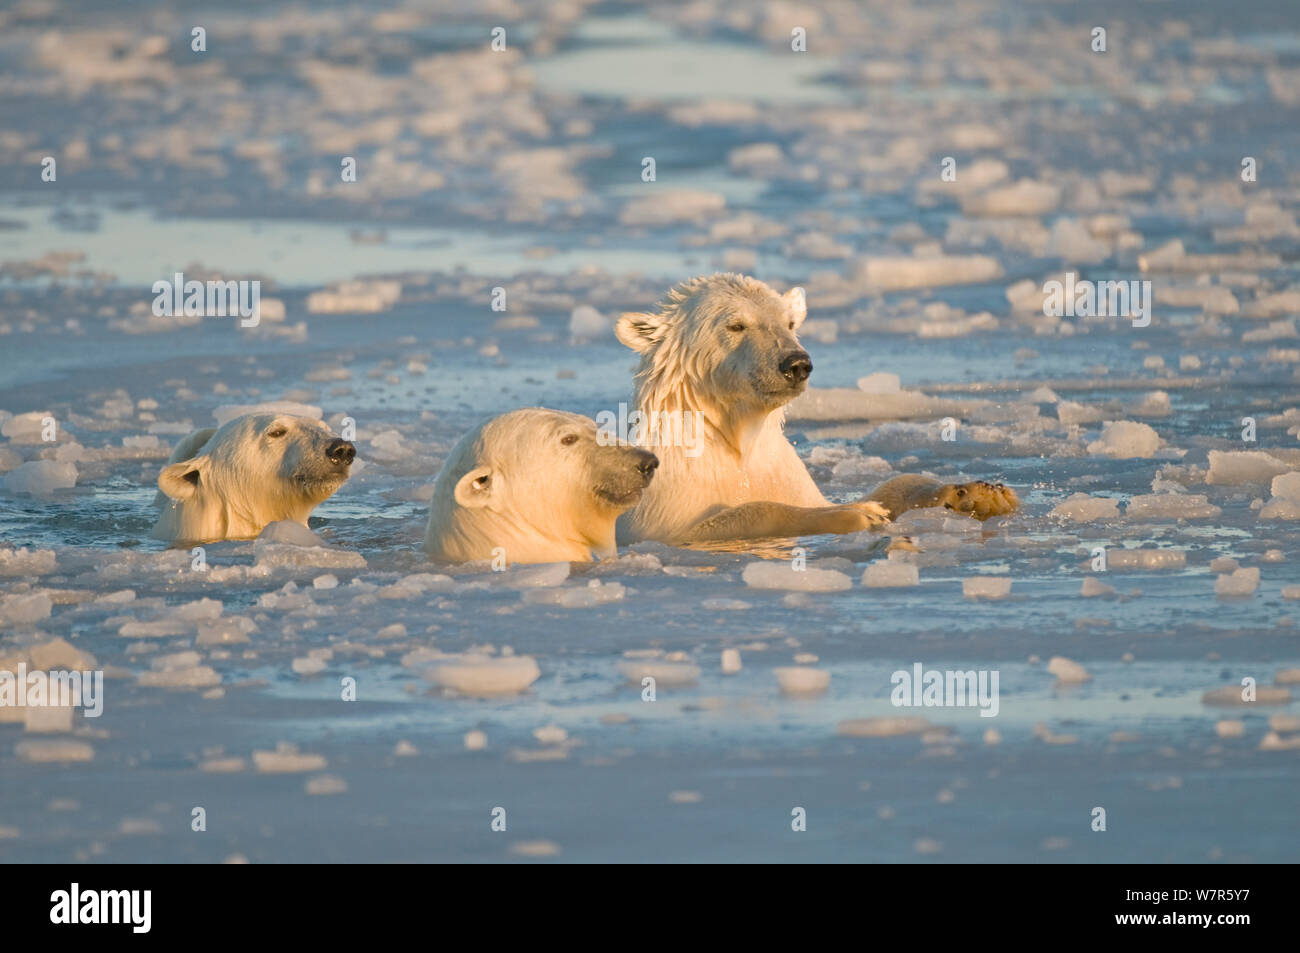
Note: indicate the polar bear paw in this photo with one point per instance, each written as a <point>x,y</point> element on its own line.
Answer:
<point>979,499</point>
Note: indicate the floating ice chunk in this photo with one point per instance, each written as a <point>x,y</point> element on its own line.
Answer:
<point>1072,240</point>
<point>1146,559</point>
<point>1230,728</point>
<point>47,720</point>
<point>1126,440</point>
<point>664,673</point>
<point>361,297</point>
<point>308,665</point>
<point>551,735</point>
<point>1284,723</point>
<point>40,477</point>
<point>325,784</point>
<point>1285,504</point>
<point>586,323</point>
<point>726,605</point>
<point>879,383</point>
<point>1233,695</point>
<point>1272,741</point>
<point>1235,467</point>
<point>1082,508</point>
<point>289,533</point>
<point>28,428</point>
<point>197,676</point>
<point>890,573</point>
<point>535,848</point>
<point>1182,506</point>
<point>1287,676</point>
<point>594,593</point>
<point>1291,592</point>
<point>287,759</point>
<point>1025,197</point>
<point>986,587</point>
<point>1067,671</point>
<point>1070,412</point>
<point>26,562</point>
<point>731,663</point>
<point>24,608</point>
<point>883,727</point>
<point>540,576</point>
<point>1092,587</point>
<point>672,205</point>
<point>327,581</point>
<point>61,654</point>
<point>894,274</point>
<point>1240,582</point>
<point>271,555</point>
<point>483,676</point>
<point>47,751</point>
<point>782,575</point>
<point>801,680</point>
<point>475,740</point>
<point>1154,404</point>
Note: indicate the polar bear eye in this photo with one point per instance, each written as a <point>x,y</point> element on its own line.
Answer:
<point>569,439</point>
<point>735,327</point>
<point>277,431</point>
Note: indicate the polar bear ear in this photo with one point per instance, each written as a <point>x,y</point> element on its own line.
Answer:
<point>798,305</point>
<point>474,489</point>
<point>639,331</point>
<point>180,481</point>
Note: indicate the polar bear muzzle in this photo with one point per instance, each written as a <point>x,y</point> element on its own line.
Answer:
<point>622,473</point>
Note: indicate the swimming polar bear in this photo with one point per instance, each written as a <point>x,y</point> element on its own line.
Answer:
<point>723,349</point>
<point>229,482</point>
<point>533,485</point>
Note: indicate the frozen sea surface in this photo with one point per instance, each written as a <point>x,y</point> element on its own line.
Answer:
<point>523,170</point>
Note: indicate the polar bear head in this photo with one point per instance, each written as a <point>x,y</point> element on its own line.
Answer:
<point>534,485</point>
<point>724,344</point>
<point>258,468</point>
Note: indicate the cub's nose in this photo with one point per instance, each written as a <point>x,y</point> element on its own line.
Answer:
<point>796,366</point>
<point>646,462</point>
<point>341,452</point>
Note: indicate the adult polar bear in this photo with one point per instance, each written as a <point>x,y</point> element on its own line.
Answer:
<point>725,346</point>
<point>255,469</point>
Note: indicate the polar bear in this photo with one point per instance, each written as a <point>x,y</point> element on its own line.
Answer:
<point>724,349</point>
<point>537,486</point>
<point>230,482</point>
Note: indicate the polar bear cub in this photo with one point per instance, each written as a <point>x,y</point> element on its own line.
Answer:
<point>534,485</point>
<point>230,482</point>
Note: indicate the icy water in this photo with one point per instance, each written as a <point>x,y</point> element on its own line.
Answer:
<point>522,170</point>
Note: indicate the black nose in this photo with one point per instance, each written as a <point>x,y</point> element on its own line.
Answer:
<point>340,451</point>
<point>796,366</point>
<point>646,463</point>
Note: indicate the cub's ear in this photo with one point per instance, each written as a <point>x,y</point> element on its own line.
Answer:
<point>180,481</point>
<point>639,331</point>
<point>798,305</point>
<point>475,488</point>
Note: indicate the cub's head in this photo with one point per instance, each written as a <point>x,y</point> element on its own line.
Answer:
<point>724,341</point>
<point>272,466</point>
<point>537,483</point>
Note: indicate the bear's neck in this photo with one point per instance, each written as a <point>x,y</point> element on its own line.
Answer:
<point>736,431</point>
